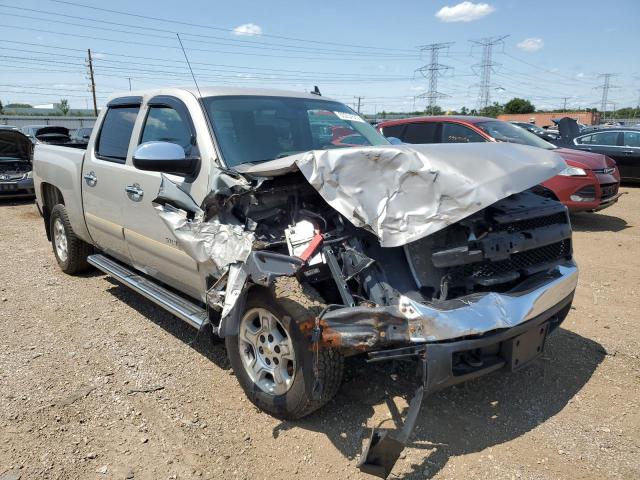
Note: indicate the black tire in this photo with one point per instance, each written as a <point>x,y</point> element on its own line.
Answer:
<point>291,302</point>
<point>77,250</point>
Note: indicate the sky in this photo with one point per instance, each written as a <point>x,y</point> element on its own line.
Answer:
<point>554,51</point>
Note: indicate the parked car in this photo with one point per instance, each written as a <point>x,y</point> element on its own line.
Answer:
<point>81,135</point>
<point>16,180</point>
<point>47,134</point>
<point>540,132</point>
<point>620,143</point>
<point>299,252</point>
<point>589,183</point>
<point>8,127</point>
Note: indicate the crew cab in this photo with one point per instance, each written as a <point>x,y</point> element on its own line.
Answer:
<point>589,183</point>
<point>236,210</point>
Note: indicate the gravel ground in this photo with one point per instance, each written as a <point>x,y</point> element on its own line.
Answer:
<point>96,382</point>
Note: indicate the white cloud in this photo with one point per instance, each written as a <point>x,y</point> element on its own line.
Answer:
<point>530,44</point>
<point>248,29</point>
<point>464,12</point>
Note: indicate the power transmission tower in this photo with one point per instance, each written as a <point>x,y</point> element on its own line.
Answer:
<point>432,71</point>
<point>486,67</point>
<point>606,85</point>
<point>564,106</point>
<point>92,85</point>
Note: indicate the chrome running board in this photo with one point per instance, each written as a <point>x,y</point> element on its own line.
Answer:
<point>179,306</point>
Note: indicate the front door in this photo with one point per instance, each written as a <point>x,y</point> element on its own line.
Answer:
<point>104,176</point>
<point>630,156</point>
<point>152,245</point>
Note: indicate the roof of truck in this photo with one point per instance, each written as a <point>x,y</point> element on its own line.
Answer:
<point>219,91</point>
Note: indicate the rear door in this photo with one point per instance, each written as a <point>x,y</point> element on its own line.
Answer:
<point>151,243</point>
<point>104,176</point>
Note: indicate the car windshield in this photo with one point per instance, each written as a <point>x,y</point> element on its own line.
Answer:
<point>253,129</point>
<point>507,132</point>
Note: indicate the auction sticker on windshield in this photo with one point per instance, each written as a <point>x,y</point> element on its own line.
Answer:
<point>349,117</point>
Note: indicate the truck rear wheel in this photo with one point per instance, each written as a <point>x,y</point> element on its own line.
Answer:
<point>71,252</point>
<point>273,360</point>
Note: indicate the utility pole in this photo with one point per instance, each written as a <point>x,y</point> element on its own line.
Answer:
<point>432,71</point>
<point>93,83</point>
<point>129,78</point>
<point>358,110</point>
<point>486,67</point>
<point>564,107</point>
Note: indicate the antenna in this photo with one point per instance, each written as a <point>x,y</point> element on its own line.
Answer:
<point>189,64</point>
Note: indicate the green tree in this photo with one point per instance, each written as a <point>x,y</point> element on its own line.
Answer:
<point>64,106</point>
<point>464,111</point>
<point>519,105</point>
<point>19,105</point>
<point>1,108</point>
<point>492,110</point>
<point>436,110</point>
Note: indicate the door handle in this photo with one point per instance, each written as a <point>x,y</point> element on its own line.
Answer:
<point>134,192</point>
<point>91,179</point>
<point>628,151</point>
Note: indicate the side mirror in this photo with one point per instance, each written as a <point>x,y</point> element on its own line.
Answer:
<point>164,157</point>
<point>394,140</point>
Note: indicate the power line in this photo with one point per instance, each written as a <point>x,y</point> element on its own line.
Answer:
<point>432,71</point>
<point>228,30</point>
<point>486,67</point>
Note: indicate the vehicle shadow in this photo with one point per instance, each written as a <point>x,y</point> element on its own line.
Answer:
<point>205,343</point>
<point>462,419</point>
<point>597,222</point>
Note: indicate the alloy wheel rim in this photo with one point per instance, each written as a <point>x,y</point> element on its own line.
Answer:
<point>60,240</point>
<point>266,350</point>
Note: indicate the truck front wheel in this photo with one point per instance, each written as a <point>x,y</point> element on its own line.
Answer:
<point>274,361</point>
<point>71,252</point>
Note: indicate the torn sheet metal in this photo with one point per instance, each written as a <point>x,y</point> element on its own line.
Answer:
<point>211,241</point>
<point>403,193</point>
<point>360,329</point>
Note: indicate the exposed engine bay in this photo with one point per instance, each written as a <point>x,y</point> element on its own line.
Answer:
<point>502,244</point>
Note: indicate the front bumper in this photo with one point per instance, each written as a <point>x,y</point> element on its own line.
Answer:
<point>363,329</point>
<point>22,188</point>
<point>540,308</point>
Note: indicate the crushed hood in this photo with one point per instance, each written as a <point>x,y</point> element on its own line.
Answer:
<point>407,192</point>
<point>15,145</point>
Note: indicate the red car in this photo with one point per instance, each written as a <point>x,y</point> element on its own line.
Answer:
<point>589,183</point>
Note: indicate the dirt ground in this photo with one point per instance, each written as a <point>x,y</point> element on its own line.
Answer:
<point>75,353</point>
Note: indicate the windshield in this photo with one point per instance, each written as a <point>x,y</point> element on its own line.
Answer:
<point>252,129</point>
<point>508,132</point>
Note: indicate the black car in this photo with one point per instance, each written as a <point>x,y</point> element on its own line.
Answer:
<point>620,143</point>
<point>536,130</point>
<point>47,134</point>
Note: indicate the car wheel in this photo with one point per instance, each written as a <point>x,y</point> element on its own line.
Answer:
<point>71,252</point>
<point>273,360</point>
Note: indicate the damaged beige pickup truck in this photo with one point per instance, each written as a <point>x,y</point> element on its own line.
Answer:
<point>290,227</point>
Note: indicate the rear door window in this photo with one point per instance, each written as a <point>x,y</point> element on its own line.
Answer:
<point>396,131</point>
<point>456,133</point>
<point>422,132</point>
<point>601,138</point>
<point>115,133</point>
